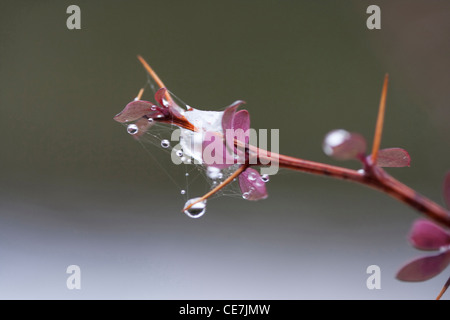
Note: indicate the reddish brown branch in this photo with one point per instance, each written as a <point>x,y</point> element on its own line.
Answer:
<point>373,176</point>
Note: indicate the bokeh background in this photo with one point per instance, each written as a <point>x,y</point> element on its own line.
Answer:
<point>76,189</point>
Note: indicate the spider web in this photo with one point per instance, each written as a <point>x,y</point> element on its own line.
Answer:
<point>190,179</point>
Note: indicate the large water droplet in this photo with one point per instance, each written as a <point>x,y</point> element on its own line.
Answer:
<point>265,178</point>
<point>165,143</point>
<point>213,173</point>
<point>197,210</point>
<point>179,153</point>
<point>132,129</point>
<point>183,191</point>
<point>150,120</point>
<point>246,195</point>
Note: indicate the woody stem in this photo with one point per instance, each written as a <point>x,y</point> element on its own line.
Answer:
<point>373,176</point>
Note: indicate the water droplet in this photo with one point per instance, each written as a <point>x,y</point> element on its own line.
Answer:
<point>132,129</point>
<point>213,173</point>
<point>183,159</point>
<point>265,178</point>
<point>150,119</point>
<point>179,153</point>
<point>252,176</point>
<point>153,107</point>
<point>187,174</point>
<point>165,143</point>
<point>183,191</point>
<point>159,116</point>
<point>246,195</point>
<point>197,210</point>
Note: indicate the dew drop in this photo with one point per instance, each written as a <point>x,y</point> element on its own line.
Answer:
<point>150,120</point>
<point>153,108</point>
<point>187,174</point>
<point>165,143</point>
<point>132,129</point>
<point>265,178</point>
<point>183,191</point>
<point>179,153</point>
<point>197,210</point>
<point>252,176</point>
<point>246,195</point>
<point>183,159</point>
<point>213,173</point>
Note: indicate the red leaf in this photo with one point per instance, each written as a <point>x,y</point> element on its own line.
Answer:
<point>134,110</point>
<point>252,185</point>
<point>215,153</point>
<point>143,125</point>
<point>426,235</point>
<point>447,189</point>
<point>393,157</point>
<point>424,268</point>
<point>228,115</point>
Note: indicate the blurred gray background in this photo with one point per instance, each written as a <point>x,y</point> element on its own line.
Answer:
<point>76,189</point>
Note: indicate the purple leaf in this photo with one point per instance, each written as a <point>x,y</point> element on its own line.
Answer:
<point>240,132</point>
<point>228,115</point>
<point>447,189</point>
<point>393,157</point>
<point>424,268</point>
<point>134,110</point>
<point>252,185</point>
<point>343,145</point>
<point>161,97</point>
<point>215,153</point>
<point>426,235</point>
<point>143,125</point>
<point>241,120</point>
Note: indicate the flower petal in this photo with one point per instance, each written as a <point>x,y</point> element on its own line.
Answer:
<point>343,145</point>
<point>134,110</point>
<point>426,235</point>
<point>393,157</point>
<point>447,189</point>
<point>252,185</point>
<point>424,268</point>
